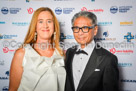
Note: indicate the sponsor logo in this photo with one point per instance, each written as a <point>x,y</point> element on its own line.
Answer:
<point>104,23</point>
<point>113,50</point>
<point>2,22</point>
<point>124,9</point>
<point>5,77</point>
<point>126,23</point>
<point>92,10</point>
<point>5,10</point>
<point>6,50</point>
<point>30,10</point>
<point>129,37</point>
<point>92,0</point>
<point>114,9</point>
<point>105,37</point>
<point>127,80</point>
<point>20,23</point>
<point>27,1</point>
<point>120,9</point>
<point>68,10</point>
<point>124,64</point>
<point>106,34</point>
<point>5,88</point>
<point>62,36</point>
<point>4,36</point>
<point>14,10</point>
<point>59,10</point>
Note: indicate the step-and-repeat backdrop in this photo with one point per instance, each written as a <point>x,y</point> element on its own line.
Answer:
<point>117,31</point>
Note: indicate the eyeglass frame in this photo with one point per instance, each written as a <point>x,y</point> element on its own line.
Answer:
<point>89,27</point>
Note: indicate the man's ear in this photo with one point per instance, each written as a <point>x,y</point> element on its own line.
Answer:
<point>95,30</point>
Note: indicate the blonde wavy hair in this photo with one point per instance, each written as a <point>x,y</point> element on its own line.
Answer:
<point>29,39</point>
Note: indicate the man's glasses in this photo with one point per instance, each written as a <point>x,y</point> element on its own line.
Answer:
<point>85,29</point>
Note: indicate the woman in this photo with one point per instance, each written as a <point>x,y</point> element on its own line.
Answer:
<point>39,66</point>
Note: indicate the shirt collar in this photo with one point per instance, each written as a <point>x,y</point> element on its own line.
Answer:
<point>89,47</point>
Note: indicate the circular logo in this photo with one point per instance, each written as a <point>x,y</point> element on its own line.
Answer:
<point>58,10</point>
<point>4,10</point>
<point>114,9</point>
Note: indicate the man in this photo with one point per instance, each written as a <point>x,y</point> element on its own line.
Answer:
<point>89,67</point>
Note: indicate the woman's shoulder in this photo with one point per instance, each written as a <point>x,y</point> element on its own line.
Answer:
<point>20,52</point>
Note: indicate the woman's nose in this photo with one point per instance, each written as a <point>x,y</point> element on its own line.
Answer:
<point>45,24</point>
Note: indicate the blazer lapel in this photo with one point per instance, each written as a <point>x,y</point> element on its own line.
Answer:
<point>69,67</point>
<point>91,65</point>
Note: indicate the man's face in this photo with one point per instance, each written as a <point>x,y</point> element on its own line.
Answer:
<point>81,37</point>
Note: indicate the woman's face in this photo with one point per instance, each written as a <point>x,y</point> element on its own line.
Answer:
<point>45,26</point>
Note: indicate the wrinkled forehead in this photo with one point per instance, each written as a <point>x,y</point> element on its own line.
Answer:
<point>83,21</point>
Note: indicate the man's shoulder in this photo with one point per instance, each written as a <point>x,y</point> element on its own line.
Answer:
<point>72,48</point>
<point>106,52</point>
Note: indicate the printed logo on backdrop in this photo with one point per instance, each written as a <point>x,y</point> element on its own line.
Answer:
<point>124,64</point>
<point>59,10</point>
<point>104,37</point>
<point>30,10</point>
<point>20,23</point>
<point>105,23</point>
<point>92,10</point>
<point>1,62</point>
<point>7,50</point>
<point>10,46</point>
<point>126,23</point>
<point>62,36</point>
<point>5,36</point>
<point>129,37</point>
<point>5,88</point>
<point>27,1</point>
<point>120,9</point>
<point>6,77</point>
<point>106,34</point>
<point>114,9</point>
<point>128,81</point>
<point>5,10</point>
<point>92,0</point>
<point>121,51</point>
<point>2,22</point>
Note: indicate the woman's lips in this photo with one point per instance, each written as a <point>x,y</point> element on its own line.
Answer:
<point>45,30</point>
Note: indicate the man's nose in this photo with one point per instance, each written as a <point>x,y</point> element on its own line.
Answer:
<point>80,31</point>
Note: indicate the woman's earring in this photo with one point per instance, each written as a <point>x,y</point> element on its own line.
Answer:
<point>54,35</point>
<point>35,36</point>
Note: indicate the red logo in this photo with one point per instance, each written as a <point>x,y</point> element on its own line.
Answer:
<point>92,10</point>
<point>5,49</point>
<point>30,10</point>
<point>113,50</point>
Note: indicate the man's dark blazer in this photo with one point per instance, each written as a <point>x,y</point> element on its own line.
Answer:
<point>101,72</point>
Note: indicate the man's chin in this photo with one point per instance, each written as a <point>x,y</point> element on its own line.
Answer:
<point>82,43</point>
